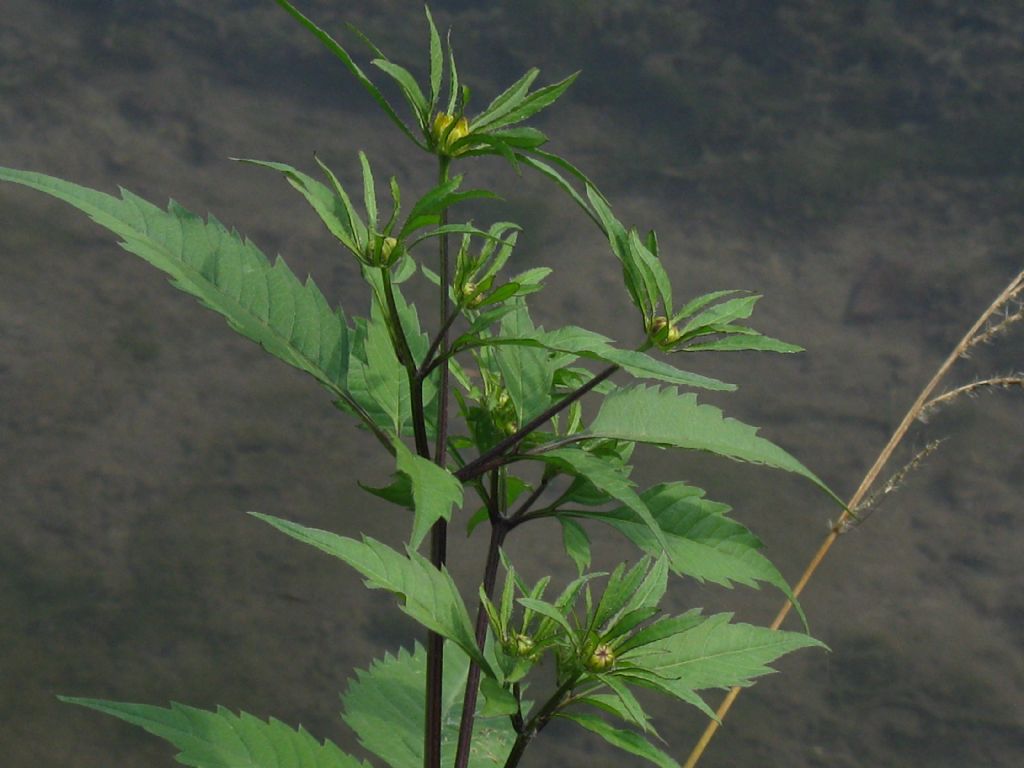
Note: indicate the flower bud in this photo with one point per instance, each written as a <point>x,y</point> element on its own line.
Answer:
<point>459,131</point>
<point>472,295</point>
<point>519,645</point>
<point>657,324</point>
<point>602,659</point>
<point>383,251</point>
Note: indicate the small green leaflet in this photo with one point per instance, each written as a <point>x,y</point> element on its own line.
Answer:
<point>665,417</point>
<point>384,706</point>
<point>434,491</point>
<point>263,302</point>
<point>428,595</point>
<point>223,739</point>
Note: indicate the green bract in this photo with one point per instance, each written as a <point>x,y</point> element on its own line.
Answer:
<point>479,410</point>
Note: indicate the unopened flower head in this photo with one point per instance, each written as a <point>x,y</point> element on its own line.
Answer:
<point>601,659</point>
<point>442,121</point>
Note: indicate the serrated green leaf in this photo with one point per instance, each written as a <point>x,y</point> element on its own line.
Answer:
<point>627,741</point>
<point>700,302</point>
<point>506,101</point>
<point>702,542</point>
<point>223,739</point>
<point>526,107</point>
<point>666,417</point>
<point>435,491</point>
<point>332,206</point>
<point>428,595</point>
<point>384,706</point>
<point>378,378</point>
<point>721,314</point>
<point>735,342</point>
<point>264,302</point>
<point>717,653</point>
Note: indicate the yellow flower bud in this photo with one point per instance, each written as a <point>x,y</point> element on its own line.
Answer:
<point>470,294</point>
<point>657,324</point>
<point>382,251</point>
<point>387,246</point>
<point>459,131</point>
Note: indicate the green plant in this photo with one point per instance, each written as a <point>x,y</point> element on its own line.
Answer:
<point>523,445</point>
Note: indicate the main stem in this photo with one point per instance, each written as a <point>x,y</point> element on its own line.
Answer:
<point>499,528</point>
<point>439,533</point>
<point>841,525</point>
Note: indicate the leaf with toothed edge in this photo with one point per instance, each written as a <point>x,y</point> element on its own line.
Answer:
<point>262,301</point>
<point>223,739</point>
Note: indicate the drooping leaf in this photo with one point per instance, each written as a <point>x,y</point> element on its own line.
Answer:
<point>605,477</point>
<point>666,417</point>
<point>434,491</point>
<point>223,739</point>
<point>428,595</point>
<point>384,706</point>
<point>628,741</point>
<point>263,302</point>
<point>576,543</point>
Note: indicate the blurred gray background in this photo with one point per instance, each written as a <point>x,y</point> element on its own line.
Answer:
<point>861,164</point>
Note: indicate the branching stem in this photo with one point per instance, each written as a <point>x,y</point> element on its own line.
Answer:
<point>494,456</point>
<point>536,723</point>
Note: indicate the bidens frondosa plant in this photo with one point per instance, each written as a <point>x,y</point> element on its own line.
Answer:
<point>481,414</point>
